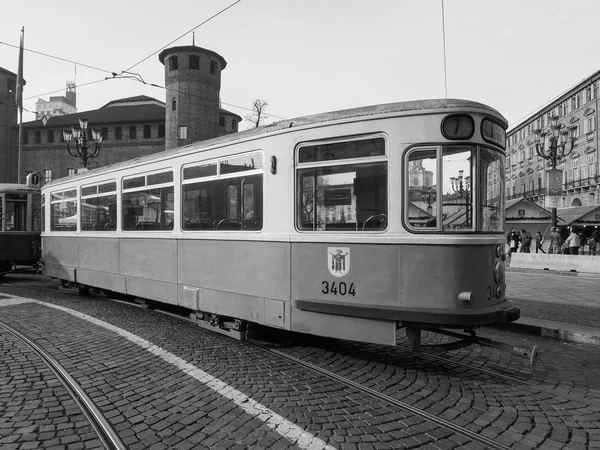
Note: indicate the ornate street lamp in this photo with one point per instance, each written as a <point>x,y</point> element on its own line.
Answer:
<point>81,142</point>
<point>429,198</point>
<point>462,189</point>
<point>556,149</point>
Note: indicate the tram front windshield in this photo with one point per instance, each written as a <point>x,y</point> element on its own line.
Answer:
<point>455,189</point>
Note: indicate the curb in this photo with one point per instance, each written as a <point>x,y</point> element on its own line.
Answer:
<point>570,273</point>
<point>561,331</point>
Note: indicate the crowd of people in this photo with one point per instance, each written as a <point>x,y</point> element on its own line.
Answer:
<point>573,244</point>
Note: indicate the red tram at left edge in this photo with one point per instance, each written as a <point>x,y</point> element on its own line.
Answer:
<point>20,224</point>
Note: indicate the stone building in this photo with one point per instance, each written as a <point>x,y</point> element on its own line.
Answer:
<point>58,105</point>
<point>193,83</point>
<point>8,127</point>
<point>526,175</point>
<point>130,127</point>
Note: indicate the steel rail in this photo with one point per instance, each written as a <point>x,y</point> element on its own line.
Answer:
<point>104,430</point>
<point>489,443</point>
<point>501,376</point>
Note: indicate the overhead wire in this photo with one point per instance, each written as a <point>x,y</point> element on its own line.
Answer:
<point>126,74</point>
<point>56,57</point>
<point>184,34</point>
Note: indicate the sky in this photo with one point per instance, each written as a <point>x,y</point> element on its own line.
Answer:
<point>310,56</point>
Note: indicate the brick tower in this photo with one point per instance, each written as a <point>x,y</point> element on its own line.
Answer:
<point>193,83</point>
<point>8,127</point>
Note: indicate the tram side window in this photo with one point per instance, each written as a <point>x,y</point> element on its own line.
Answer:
<point>422,180</point>
<point>63,211</point>
<point>37,210</point>
<point>337,194</point>
<point>223,204</point>
<point>150,207</point>
<point>43,213</point>
<point>224,195</point>
<point>148,210</point>
<point>99,207</point>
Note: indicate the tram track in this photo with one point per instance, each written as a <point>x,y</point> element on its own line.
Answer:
<point>446,424</point>
<point>504,377</point>
<point>106,433</point>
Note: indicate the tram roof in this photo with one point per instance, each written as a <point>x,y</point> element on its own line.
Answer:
<point>429,106</point>
<point>14,187</point>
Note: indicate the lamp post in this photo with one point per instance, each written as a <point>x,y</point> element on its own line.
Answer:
<point>462,189</point>
<point>81,142</point>
<point>554,151</point>
<point>429,198</point>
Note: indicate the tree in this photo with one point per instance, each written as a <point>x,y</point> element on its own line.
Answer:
<point>258,115</point>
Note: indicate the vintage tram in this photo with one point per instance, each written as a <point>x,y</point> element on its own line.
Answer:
<point>20,224</point>
<point>349,224</point>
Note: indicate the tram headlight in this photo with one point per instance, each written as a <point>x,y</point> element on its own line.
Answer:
<point>498,292</point>
<point>499,273</point>
<point>499,251</point>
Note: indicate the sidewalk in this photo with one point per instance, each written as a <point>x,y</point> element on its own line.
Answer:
<point>560,305</point>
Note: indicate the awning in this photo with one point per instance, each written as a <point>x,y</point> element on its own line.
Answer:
<point>580,215</point>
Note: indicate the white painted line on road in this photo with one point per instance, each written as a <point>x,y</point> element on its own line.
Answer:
<point>279,424</point>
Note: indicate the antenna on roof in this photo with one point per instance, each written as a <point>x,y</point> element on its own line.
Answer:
<point>193,38</point>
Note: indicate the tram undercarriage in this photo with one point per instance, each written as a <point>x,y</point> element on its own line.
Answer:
<point>413,334</point>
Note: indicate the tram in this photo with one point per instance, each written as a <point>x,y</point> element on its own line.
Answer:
<point>349,224</point>
<point>20,224</point>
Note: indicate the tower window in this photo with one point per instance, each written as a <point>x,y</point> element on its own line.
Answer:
<point>213,67</point>
<point>118,133</point>
<point>161,130</point>
<point>132,132</point>
<point>147,132</point>
<point>38,137</point>
<point>195,62</point>
<point>173,105</point>
<point>173,63</point>
<point>25,137</point>
<point>50,136</point>
<point>104,133</point>
<point>221,121</point>
<point>183,132</point>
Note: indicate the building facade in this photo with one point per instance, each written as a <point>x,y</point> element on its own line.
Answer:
<point>8,127</point>
<point>130,127</point>
<point>58,106</point>
<point>526,171</point>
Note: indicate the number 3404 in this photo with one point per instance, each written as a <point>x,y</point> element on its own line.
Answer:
<point>338,288</point>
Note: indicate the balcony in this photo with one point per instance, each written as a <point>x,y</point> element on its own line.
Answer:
<point>582,183</point>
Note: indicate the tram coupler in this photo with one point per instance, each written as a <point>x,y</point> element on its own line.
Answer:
<point>414,338</point>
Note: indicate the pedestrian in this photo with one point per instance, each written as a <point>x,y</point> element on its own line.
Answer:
<point>593,241</point>
<point>583,241</point>
<point>555,241</point>
<point>513,241</point>
<point>539,240</point>
<point>574,242</point>
<point>525,241</point>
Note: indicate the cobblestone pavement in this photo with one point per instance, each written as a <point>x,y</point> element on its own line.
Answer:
<point>549,296</point>
<point>34,406</point>
<point>190,388</point>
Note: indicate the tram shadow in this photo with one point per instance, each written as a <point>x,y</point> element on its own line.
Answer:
<point>401,357</point>
<point>24,275</point>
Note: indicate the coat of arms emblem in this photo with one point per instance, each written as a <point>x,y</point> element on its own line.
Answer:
<point>338,260</point>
